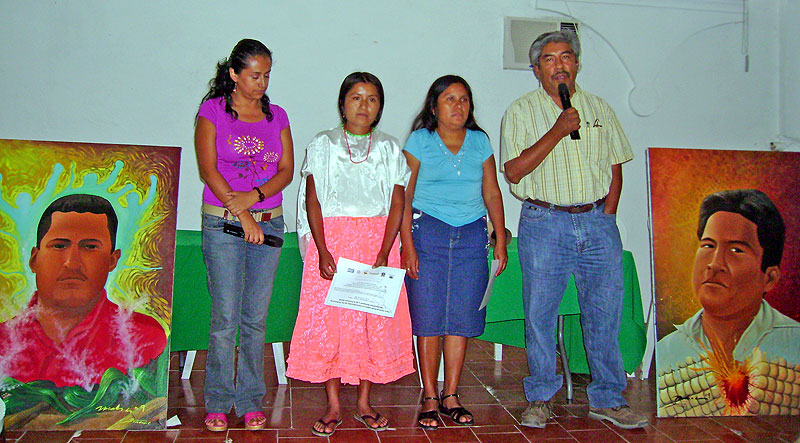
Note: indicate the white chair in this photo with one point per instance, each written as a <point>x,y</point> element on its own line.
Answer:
<point>277,352</point>
<point>2,414</point>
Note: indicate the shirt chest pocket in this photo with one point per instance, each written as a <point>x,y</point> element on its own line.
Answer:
<point>594,135</point>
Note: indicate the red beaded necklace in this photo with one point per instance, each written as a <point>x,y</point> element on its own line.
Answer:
<point>369,146</point>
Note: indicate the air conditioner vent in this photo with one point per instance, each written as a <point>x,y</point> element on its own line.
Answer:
<point>519,33</point>
<point>569,26</point>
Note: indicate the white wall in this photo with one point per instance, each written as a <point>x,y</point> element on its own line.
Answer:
<point>134,72</point>
<point>789,70</point>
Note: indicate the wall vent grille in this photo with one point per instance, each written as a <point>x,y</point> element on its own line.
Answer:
<point>519,33</point>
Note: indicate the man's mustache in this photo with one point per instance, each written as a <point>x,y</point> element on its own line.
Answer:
<point>72,275</point>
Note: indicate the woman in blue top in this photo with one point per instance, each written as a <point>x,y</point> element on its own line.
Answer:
<point>445,239</point>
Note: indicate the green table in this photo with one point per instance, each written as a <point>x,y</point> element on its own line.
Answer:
<point>505,316</point>
<point>191,304</point>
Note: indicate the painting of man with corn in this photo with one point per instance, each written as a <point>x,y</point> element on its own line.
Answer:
<point>737,354</point>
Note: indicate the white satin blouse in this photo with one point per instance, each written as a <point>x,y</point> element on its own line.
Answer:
<point>354,183</point>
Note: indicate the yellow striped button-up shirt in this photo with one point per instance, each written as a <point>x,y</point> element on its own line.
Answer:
<point>576,171</point>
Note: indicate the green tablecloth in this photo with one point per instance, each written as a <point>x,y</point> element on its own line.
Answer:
<point>505,317</point>
<point>191,304</point>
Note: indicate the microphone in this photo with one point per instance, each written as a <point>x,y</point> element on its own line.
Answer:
<point>563,92</point>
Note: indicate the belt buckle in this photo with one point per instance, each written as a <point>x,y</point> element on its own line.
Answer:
<point>266,216</point>
<point>580,209</point>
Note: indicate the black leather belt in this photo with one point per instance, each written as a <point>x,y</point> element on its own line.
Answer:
<point>578,209</point>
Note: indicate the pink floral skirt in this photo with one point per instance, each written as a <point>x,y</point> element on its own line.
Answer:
<point>331,342</point>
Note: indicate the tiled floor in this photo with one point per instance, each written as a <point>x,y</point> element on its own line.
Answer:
<point>491,390</point>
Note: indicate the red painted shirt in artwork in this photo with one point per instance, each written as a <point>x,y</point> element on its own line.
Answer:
<point>109,337</point>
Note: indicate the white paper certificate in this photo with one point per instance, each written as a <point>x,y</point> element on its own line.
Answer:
<point>357,286</point>
<point>488,293</point>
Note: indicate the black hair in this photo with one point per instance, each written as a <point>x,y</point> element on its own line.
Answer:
<point>353,79</point>
<point>222,85</point>
<point>427,116</point>
<point>80,203</point>
<point>755,206</point>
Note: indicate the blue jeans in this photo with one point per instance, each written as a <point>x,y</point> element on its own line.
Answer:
<point>552,246</point>
<point>240,277</point>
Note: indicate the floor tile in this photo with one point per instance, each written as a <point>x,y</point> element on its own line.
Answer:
<point>686,433</point>
<point>581,424</point>
<point>404,439</point>
<point>785,423</point>
<point>590,436</point>
<point>460,435</point>
<point>352,435</point>
<point>648,438</point>
<point>494,429</point>
<point>550,431</point>
<point>502,438</point>
<point>243,436</point>
<point>46,436</point>
<point>96,440</point>
<point>491,390</point>
<point>98,437</point>
<point>151,437</point>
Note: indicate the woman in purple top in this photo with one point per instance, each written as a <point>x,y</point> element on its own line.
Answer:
<point>244,152</point>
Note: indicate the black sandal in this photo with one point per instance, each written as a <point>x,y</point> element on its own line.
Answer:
<point>429,415</point>
<point>455,413</point>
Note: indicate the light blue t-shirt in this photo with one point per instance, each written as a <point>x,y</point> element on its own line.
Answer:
<point>449,186</point>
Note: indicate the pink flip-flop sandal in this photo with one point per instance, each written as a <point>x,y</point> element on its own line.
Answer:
<point>212,418</point>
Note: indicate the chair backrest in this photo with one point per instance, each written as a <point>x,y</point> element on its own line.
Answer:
<point>2,414</point>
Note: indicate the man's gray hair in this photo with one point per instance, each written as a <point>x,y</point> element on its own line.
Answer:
<point>562,36</point>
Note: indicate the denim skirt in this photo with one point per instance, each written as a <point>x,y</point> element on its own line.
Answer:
<point>453,274</point>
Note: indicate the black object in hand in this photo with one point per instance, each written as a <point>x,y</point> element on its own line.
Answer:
<point>563,93</point>
<point>238,231</point>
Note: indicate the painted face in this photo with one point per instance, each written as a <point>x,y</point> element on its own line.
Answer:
<point>361,105</point>
<point>727,278</point>
<point>557,64</point>
<point>452,106</point>
<point>252,82</point>
<point>73,261</point>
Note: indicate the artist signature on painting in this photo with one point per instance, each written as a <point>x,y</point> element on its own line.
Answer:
<point>133,410</point>
<point>684,402</point>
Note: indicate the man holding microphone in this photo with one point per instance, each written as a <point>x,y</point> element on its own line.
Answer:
<point>570,179</point>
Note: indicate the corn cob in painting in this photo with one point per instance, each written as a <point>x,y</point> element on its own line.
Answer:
<point>716,384</point>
